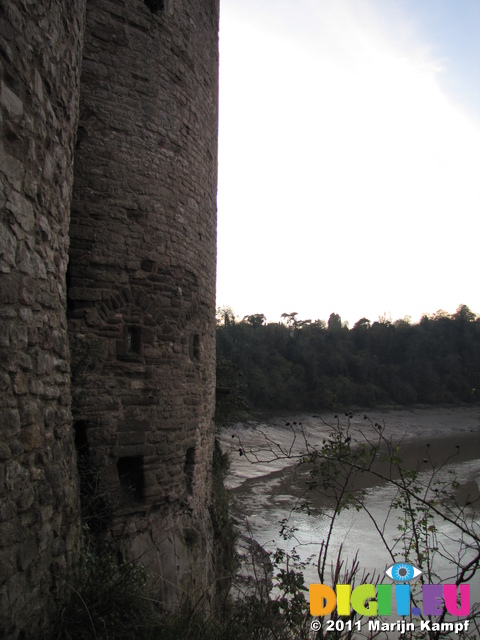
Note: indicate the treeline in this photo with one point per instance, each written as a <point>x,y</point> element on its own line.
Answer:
<point>297,365</point>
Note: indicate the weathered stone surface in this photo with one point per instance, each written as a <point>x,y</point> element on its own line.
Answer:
<point>141,288</point>
<point>142,269</point>
<point>40,61</point>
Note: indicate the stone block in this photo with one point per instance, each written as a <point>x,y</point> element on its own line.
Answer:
<point>8,245</point>
<point>134,423</point>
<point>22,210</point>
<point>10,421</point>
<point>132,437</point>
<point>30,413</point>
<point>9,288</point>
<point>27,552</point>
<point>84,294</point>
<point>12,103</point>
<point>4,452</point>
<point>7,564</point>
<point>32,437</point>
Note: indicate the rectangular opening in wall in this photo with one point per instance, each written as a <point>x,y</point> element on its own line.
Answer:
<point>194,346</point>
<point>134,342</point>
<point>189,468</point>
<point>81,440</point>
<point>131,476</point>
<point>158,6</point>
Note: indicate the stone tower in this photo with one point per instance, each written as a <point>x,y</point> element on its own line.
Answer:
<point>135,368</point>
<point>40,59</point>
<point>141,278</point>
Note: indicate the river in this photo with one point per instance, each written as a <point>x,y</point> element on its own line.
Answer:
<point>267,483</point>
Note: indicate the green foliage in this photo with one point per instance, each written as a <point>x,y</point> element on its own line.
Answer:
<point>112,602</point>
<point>96,503</point>
<point>224,532</point>
<point>108,601</point>
<point>230,392</point>
<point>275,606</point>
<point>301,365</point>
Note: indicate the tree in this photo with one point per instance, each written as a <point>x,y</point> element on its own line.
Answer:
<point>256,320</point>
<point>464,314</point>
<point>230,392</point>
<point>290,319</point>
<point>334,322</point>
<point>362,325</point>
<point>436,360</point>
<point>225,316</point>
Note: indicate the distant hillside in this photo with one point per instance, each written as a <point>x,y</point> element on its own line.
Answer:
<point>308,365</point>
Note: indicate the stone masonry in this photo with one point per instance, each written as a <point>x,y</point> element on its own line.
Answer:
<point>141,277</point>
<point>40,48</point>
<point>126,371</point>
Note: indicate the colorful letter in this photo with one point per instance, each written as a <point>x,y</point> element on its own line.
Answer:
<point>360,595</point>
<point>322,599</point>
<point>384,598</point>
<point>450,594</point>
<point>432,599</point>
<point>402,591</point>
<point>343,599</point>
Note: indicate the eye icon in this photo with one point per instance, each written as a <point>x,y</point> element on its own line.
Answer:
<point>403,572</point>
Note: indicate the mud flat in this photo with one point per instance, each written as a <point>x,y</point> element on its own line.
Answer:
<point>268,484</point>
<point>263,447</point>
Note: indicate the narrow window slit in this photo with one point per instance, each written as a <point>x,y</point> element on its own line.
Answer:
<point>157,6</point>
<point>194,346</point>
<point>130,474</point>
<point>133,339</point>
<point>81,439</point>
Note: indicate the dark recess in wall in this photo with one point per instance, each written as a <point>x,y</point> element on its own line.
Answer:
<point>130,473</point>
<point>156,5</point>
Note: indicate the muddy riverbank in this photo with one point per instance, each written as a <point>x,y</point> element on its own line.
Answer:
<point>268,484</point>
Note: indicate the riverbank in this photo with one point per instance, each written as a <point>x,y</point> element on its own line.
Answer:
<point>427,437</point>
<point>269,485</point>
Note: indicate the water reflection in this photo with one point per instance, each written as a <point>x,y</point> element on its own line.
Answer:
<point>265,510</point>
<point>269,500</point>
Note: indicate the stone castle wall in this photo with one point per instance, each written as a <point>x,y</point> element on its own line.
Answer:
<point>40,45</point>
<point>141,290</point>
<point>142,275</point>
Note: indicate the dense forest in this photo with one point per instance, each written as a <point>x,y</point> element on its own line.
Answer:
<point>299,365</point>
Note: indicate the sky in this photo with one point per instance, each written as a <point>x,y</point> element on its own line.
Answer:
<point>349,158</point>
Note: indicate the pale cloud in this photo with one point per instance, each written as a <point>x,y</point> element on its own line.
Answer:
<point>347,178</point>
